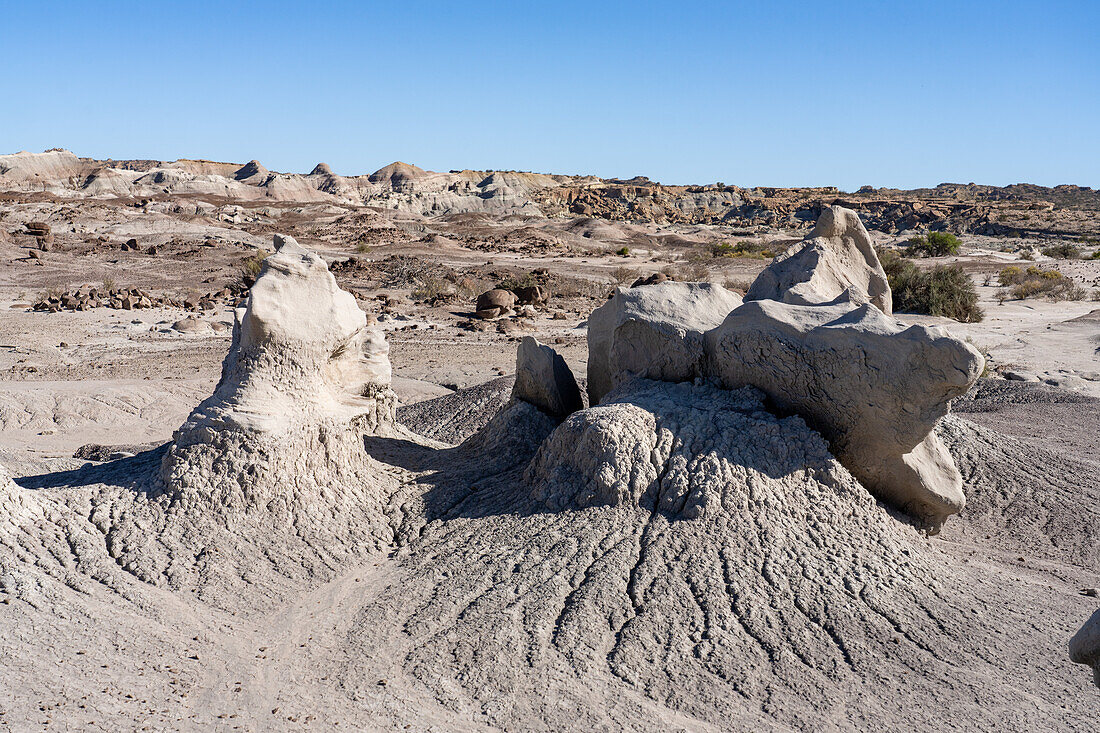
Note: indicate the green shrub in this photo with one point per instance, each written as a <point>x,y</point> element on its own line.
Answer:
<point>750,250</point>
<point>623,251</point>
<point>933,244</point>
<point>945,290</point>
<point>1064,251</point>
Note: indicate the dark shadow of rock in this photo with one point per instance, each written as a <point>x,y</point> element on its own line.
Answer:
<point>138,473</point>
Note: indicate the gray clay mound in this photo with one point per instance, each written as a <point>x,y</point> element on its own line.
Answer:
<point>676,556</point>
<point>680,554</point>
<point>453,418</point>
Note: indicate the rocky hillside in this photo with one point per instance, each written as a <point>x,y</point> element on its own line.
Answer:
<point>1019,210</point>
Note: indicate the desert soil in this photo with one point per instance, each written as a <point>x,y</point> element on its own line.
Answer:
<point>327,654</point>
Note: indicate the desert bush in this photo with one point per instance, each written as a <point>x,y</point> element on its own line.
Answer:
<point>433,289</point>
<point>468,288</point>
<point>623,251</point>
<point>624,275</point>
<point>362,248</point>
<point>1011,275</point>
<point>945,290</point>
<point>250,268</point>
<point>691,271</point>
<point>109,283</point>
<point>738,286</point>
<point>1035,281</point>
<point>751,250</point>
<point>933,244</point>
<point>1063,251</point>
<point>525,280</point>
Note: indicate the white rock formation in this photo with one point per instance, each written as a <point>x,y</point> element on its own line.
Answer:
<point>545,380</point>
<point>837,255</point>
<point>305,377</point>
<point>1084,647</point>
<point>654,332</point>
<point>873,387</point>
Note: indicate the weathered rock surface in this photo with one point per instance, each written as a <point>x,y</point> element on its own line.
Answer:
<point>874,388</point>
<point>7,485</point>
<point>305,376</point>
<point>545,380</point>
<point>1084,647</point>
<point>737,578</point>
<point>302,349</point>
<point>654,332</point>
<point>837,255</point>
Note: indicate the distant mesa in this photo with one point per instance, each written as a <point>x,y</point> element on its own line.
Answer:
<point>397,173</point>
<point>321,169</point>
<point>252,170</point>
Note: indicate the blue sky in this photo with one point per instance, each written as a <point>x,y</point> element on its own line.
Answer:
<point>752,93</point>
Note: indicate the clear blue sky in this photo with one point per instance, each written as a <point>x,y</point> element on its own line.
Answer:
<point>753,93</point>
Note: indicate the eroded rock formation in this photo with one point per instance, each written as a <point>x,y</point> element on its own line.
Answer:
<point>305,377</point>
<point>654,331</point>
<point>873,387</point>
<point>836,256</point>
<point>815,337</point>
<point>545,380</point>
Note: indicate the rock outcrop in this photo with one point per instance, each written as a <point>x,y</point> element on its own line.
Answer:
<point>305,377</point>
<point>545,380</point>
<point>874,388</point>
<point>252,172</point>
<point>1084,647</point>
<point>817,341</point>
<point>836,256</point>
<point>654,331</point>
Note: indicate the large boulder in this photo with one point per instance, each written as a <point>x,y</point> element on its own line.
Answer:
<point>495,303</point>
<point>873,387</point>
<point>1084,647</point>
<point>306,376</point>
<point>545,380</point>
<point>654,332</point>
<point>836,256</point>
